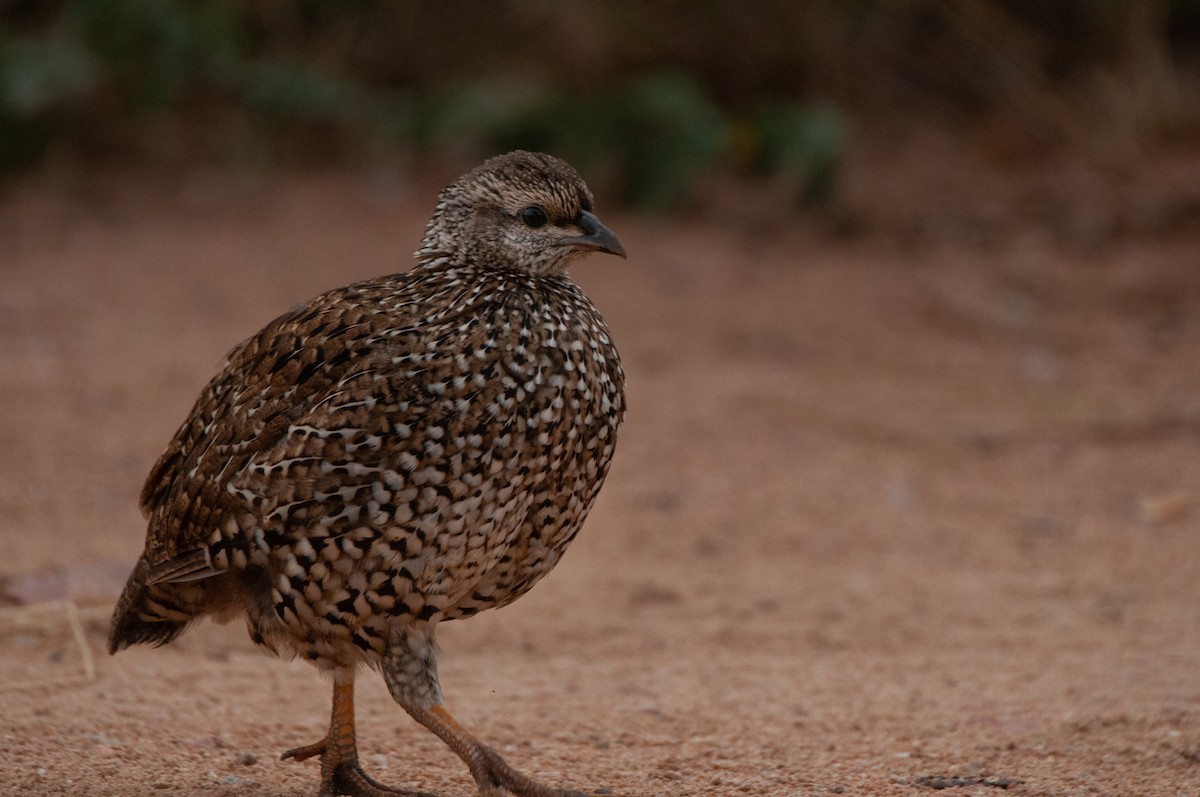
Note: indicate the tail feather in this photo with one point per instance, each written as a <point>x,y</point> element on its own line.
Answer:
<point>145,614</point>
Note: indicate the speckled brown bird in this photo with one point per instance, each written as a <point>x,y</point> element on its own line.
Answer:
<point>395,453</point>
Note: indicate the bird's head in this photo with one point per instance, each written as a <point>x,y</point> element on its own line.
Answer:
<point>523,211</point>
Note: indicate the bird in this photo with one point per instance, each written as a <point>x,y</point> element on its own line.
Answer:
<point>393,454</point>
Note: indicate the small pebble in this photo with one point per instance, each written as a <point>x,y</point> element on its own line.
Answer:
<point>234,780</point>
<point>246,758</point>
<point>100,738</point>
<point>378,761</point>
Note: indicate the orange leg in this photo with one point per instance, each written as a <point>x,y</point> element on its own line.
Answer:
<point>410,671</point>
<point>340,770</point>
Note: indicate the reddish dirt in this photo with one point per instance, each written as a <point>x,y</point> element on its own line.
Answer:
<point>896,515</point>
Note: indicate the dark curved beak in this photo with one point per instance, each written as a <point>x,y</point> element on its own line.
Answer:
<point>596,237</point>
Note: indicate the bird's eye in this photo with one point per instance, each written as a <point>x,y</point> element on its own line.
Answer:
<point>533,216</point>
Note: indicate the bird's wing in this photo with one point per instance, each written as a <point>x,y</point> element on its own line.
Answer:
<point>265,383</point>
<point>260,446</point>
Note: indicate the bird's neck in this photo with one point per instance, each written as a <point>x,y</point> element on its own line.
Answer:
<point>435,262</point>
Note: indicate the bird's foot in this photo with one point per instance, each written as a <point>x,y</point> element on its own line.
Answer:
<point>493,775</point>
<point>342,774</point>
<point>496,778</point>
<point>349,778</point>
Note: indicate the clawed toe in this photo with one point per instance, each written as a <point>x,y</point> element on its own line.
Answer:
<point>496,778</point>
<point>349,778</point>
<point>307,751</point>
<point>493,775</point>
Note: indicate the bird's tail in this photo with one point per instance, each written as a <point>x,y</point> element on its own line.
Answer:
<point>147,614</point>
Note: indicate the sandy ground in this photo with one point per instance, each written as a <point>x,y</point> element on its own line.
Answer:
<point>887,518</point>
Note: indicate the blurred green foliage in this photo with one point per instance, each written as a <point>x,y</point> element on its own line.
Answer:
<point>665,130</point>
<point>652,94</point>
<point>803,143</point>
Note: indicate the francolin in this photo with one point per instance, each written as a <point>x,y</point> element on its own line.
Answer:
<point>393,454</point>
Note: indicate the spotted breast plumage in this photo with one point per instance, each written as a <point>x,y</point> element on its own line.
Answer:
<point>395,453</point>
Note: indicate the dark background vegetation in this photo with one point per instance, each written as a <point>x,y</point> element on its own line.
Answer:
<point>649,96</point>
